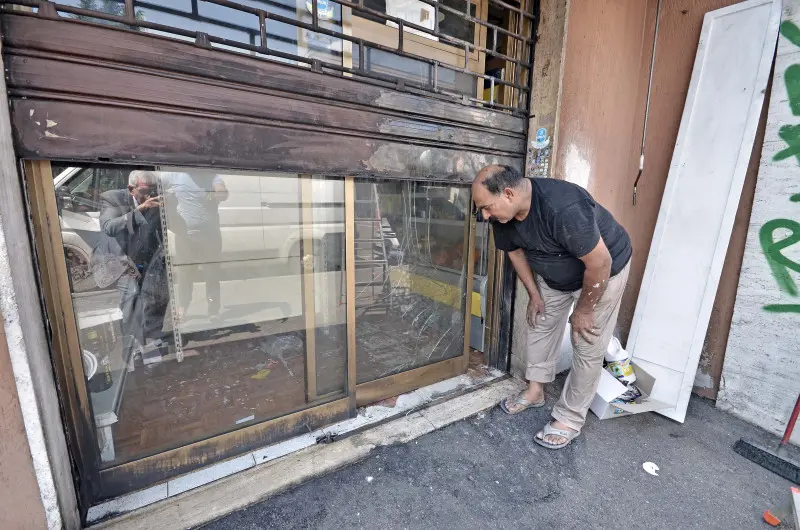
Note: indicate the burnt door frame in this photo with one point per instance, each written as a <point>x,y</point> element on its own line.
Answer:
<point>350,129</point>
<point>108,482</point>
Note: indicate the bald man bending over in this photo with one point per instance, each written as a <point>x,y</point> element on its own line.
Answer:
<point>580,255</point>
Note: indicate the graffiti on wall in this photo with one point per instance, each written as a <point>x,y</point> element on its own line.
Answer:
<point>782,265</point>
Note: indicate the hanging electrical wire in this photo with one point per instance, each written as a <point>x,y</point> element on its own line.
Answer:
<point>647,107</point>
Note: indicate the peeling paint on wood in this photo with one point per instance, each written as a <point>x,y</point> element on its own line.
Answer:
<point>128,135</point>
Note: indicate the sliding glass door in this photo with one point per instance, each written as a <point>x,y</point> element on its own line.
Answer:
<point>202,313</point>
<point>411,241</point>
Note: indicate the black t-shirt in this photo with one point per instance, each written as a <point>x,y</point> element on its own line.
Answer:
<point>564,224</point>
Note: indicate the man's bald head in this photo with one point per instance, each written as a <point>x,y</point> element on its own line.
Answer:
<point>500,193</point>
<point>496,178</point>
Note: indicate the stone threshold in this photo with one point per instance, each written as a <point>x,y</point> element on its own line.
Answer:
<point>217,490</point>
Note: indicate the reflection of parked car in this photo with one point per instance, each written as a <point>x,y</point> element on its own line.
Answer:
<point>260,221</point>
<point>78,192</point>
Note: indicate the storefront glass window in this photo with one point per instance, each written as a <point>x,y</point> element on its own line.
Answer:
<point>410,275</point>
<point>200,298</point>
<point>207,301</point>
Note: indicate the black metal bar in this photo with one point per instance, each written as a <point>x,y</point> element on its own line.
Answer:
<point>314,14</point>
<point>466,16</point>
<point>388,49</point>
<point>505,326</point>
<point>129,10</point>
<point>400,33</point>
<point>469,18</point>
<point>165,29</point>
<point>359,6</point>
<point>361,70</point>
<point>262,25</point>
<point>373,45</point>
<point>447,39</point>
<point>509,7</point>
<point>207,20</point>
<point>196,17</point>
<point>481,22</point>
<point>237,44</point>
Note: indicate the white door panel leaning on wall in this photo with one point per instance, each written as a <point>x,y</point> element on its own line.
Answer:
<point>701,197</point>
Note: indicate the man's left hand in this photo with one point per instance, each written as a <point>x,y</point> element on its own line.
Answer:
<point>583,324</point>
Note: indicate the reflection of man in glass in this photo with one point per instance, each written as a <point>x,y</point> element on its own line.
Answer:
<point>132,218</point>
<point>198,241</point>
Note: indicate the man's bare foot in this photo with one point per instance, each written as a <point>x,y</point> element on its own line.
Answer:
<point>533,394</point>
<point>554,439</point>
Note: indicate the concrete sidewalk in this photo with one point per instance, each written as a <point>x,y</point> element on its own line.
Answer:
<point>486,472</point>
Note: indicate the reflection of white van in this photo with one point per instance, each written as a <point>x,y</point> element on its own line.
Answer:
<point>261,220</point>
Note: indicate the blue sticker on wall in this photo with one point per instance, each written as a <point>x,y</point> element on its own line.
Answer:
<point>542,140</point>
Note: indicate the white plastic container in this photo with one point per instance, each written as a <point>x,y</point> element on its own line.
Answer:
<point>619,362</point>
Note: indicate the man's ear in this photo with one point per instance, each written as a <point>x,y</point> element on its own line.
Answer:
<point>509,193</point>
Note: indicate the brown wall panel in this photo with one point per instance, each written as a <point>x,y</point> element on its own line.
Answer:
<point>128,48</point>
<point>602,115</point>
<point>29,74</point>
<point>99,94</point>
<point>603,99</point>
<point>20,503</point>
<point>81,132</point>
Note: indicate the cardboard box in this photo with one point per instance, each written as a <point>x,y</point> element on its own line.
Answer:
<point>610,389</point>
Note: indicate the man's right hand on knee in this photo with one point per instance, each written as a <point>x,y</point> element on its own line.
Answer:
<point>535,311</point>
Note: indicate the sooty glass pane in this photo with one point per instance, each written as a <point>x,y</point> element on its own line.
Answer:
<point>410,275</point>
<point>201,299</point>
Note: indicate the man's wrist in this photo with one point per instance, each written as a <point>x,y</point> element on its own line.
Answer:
<point>581,309</point>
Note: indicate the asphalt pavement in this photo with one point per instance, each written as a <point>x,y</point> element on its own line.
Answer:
<point>486,472</point>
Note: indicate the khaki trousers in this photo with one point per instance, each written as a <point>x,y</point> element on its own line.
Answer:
<point>544,344</point>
